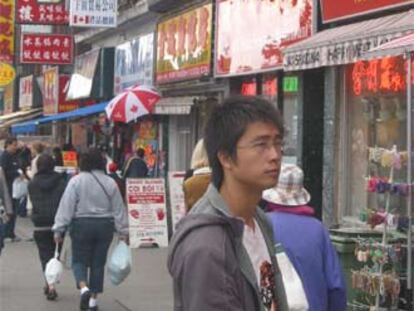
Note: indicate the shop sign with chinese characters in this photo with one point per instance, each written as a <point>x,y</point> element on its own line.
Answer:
<point>7,74</point>
<point>147,211</point>
<point>39,12</point>
<point>93,13</point>
<point>379,76</point>
<point>46,49</point>
<point>6,31</point>
<point>251,35</point>
<point>50,91</point>
<point>184,46</point>
<point>26,92</point>
<point>333,10</point>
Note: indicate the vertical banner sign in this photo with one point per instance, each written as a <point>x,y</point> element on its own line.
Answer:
<point>147,212</point>
<point>51,49</point>
<point>6,31</point>
<point>184,46</point>
<point>93,13</point>
<point>41,13</point>
<point>251,35</point>
<point>65,105</point>
<point>8,98</point>
<point>50,91</point>
<point>26,92</point>
<point>175,181</point>
<point>334,10</point>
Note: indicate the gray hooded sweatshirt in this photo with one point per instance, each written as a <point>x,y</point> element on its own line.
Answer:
<point>210,267</point>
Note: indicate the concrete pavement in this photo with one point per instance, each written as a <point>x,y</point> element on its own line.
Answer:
<point>148,287</point>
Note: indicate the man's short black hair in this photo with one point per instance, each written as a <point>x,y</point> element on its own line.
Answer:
<point>227,124</point>
<point>9,141</point>
<point>45,164</point>
<point>92,159</point>
<point>140,152</point>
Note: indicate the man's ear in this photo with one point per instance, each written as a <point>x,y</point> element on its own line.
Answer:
<point>225,160</point>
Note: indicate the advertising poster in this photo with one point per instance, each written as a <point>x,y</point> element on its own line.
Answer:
<point>93,13</point>
<point>50,91</point>
<point>175,181</point>
<point>7,74</point>
<point>50,49</point>
<point>26,92</point>
<point>39,12</point>
<point>147,139</point>
<point>7,31</point>
<point>65,105</point>
<point>70,159</point>
<point>333,10</point>
<point>147,212</point>
<point>184,45</point>
<point>80,85</point>
<point>8,98</point>
<point>251,34</point>
<point>134,63</point>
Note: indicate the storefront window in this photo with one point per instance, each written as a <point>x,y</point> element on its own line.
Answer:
<point>373,123</point>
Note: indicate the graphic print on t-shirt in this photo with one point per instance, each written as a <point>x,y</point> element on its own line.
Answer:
<point>267,286</point>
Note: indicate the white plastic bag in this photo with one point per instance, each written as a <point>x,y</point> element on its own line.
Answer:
<point>120,262</point>
<point>295,293</point>
<point>19,188</point>
<point>54,269</point>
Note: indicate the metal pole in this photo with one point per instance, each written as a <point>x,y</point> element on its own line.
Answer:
<point>409,182</point>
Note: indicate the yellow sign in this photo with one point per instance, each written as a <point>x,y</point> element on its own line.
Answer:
<point>7,74</point>
<point>6,31</point>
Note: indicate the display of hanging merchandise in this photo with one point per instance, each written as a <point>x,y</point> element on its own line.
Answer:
<point>380,278</point>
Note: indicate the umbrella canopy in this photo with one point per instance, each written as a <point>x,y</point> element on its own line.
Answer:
<point>133,103</point>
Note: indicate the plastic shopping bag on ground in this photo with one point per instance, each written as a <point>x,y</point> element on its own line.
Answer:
<point>295,293</point>
<point>120,262</point>
<point>54,269</point>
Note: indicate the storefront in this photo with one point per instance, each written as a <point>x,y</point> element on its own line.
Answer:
<point>365,153</point>
<point>183,74</point>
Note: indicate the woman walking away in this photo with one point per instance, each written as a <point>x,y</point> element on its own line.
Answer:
<point>45,191</point>
<point>93,206</point>
<point>195,186</point>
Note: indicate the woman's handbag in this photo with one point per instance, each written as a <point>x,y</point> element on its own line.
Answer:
<point>54,268</point>
<point>295,293</point>
<point>120,263</point>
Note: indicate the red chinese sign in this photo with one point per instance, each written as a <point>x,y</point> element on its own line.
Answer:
<point>33,12</point>
<point>65,105</point>
<point>6,31</point>
<point>379,75</point>
<point>333,10</point>
<point>46,49</point>
<point>184,46</point>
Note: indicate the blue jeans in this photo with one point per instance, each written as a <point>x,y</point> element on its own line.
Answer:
<point>91,238</point>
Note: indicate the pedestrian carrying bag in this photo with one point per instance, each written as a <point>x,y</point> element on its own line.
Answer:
<point>295,293</point>
<point>120,263</point>
<point>54,269</point>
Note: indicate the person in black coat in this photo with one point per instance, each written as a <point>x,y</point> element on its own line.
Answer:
<point>46,190</point>
<point>136,167</point>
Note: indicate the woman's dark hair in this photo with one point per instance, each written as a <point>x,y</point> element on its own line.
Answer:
<point>92,159</point>
<point>45,164</point>
<point>140,152</point>
<point>9,141</point>
<point>227,124</point>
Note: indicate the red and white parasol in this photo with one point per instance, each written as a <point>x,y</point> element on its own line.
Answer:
<point>132,103</point>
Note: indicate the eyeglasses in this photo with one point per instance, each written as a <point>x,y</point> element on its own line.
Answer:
<point>262,146</point>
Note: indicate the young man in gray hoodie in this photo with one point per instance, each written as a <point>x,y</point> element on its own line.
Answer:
<point>222,254</point>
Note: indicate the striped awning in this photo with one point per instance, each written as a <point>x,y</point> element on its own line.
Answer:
<point>402,45</point>
<point>347,44</point>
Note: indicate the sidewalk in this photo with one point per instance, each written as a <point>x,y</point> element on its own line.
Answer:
<point>148,287</point>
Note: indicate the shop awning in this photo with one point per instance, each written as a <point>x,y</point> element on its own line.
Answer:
<point>174,105</point>
<point>19,116</point>
<point>30,127</point>
<point>399,46</point>
<point>346,44</point>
